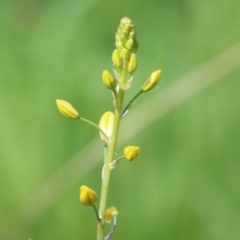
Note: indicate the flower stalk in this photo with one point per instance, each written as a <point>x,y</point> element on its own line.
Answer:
<point>124,61</point>
<point>108,160</point>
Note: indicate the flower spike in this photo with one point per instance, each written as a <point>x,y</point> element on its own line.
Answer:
<point>124,64</point>
<point>125,38</point>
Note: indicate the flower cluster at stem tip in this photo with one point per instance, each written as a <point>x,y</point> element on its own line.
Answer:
<point>124,60</point>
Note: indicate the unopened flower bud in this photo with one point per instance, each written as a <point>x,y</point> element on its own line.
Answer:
<point>132,35</point>
<point>66,109</point>
<point>108,80</point>
<point>129,44</point>
<point>117,61</point>
<point>151,81</point>
<point>124,54</point>
<point>87,196</point>
<point>110,213</point>
<point>132,64</point>
<point>106,124</point>
<point>131,152</point>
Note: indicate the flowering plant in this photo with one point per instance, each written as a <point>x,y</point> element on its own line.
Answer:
<point>124,65</point>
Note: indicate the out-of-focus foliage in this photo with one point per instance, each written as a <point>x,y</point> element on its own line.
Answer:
<point>183,185</point>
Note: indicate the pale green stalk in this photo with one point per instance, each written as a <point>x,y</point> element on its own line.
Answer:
<point>94,125</point>
<point>130,103</point>
<point>109,158</point>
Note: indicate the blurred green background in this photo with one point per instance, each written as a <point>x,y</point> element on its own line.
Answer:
<point>185,183</point>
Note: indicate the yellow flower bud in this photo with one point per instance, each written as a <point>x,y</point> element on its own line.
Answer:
<point>108,80</point>
<point>87,196</point>
<point>66,109</point>
<point>129,44</point>
<point>117,61</point>
<point>132,63</point>
<point>124,54</point>
<point>106,124</point>
<point>110,213</point>
<point>131,152</point>
<point>151,81</point>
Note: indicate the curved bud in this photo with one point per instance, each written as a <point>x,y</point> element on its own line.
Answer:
<point>66,109</point>
<point>110,213</point>
<point>106,124</point>
<point>117,61</point>
<point>129,44</point>
<point>87,196</point>
<point>151,81</point>
<point>132,64</point>
<point>108,80</point>
<point>131,152</point>
<point>124,54</point>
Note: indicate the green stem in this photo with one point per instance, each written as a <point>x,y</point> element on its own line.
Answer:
<point>105,152</point>
<point>96,126</point>
<point>109,158</point>
<point>130,103</point>
<point>96,213</point>
<point>119,158</point>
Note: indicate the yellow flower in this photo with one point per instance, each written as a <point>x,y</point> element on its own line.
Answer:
<point>117,61</point>
<point>151,81</point>
<point>108,80</point>
<point>110,213</point>
<point>106,124</point>
<point>132,64</point>
<point>66,109</point>
<point>131,152</point>
<point>87,196</point>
